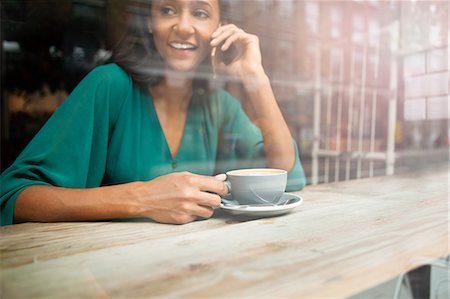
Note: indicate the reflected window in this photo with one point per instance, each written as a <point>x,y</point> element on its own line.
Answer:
<point>264,5</point>
<point>358,28</point>
<point>287,58</point>
<point>437,60</point>
<point>357,23</point>
<point>359,60</point>
<point>286,8</point>
<point>435,37</point>
<point>310,60</point>
<point>374,31</point>
<point>312,13</point>
<point>336,61</point>
<point>414,64</point>
<point>415,110</point>
<point>336,22</point>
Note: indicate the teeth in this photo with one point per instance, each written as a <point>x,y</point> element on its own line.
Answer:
<point>182,46</point>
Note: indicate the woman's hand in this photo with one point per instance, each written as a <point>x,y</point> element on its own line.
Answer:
<point>179,198</point>
<point>247,64</point>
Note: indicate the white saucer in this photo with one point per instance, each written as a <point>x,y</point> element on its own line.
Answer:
<point>287,203</point>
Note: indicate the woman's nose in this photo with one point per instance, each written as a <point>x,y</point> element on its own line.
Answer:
<point>185,25</point>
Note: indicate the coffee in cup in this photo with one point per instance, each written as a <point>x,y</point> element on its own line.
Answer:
<point>256,186</point>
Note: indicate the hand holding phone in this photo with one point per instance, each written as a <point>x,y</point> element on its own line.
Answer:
<point>226,57</point>
<point>236,53</point>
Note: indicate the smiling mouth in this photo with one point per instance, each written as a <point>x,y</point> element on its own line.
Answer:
<point>182,46</point>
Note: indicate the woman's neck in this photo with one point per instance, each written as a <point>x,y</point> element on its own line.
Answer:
<point>173,91</point>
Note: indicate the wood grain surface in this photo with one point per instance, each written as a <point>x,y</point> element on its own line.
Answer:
<point>345,238</point>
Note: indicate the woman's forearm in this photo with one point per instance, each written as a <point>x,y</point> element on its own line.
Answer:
<point>278,144</point>
<point>51,204</point>
<point>265,113</point>
<point>179,197</point>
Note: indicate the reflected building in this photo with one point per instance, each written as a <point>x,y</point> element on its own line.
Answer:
<point>341,71</point>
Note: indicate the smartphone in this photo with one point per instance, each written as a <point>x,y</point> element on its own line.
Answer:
<point>227,56</point>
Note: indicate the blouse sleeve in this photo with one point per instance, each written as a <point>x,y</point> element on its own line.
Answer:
<point>71,148</point>
<point>241,143</point>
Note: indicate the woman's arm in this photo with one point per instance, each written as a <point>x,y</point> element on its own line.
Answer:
<point>247,67</point>
<point>71,151</point>
<point>278,145</point>
<point>175,198</point>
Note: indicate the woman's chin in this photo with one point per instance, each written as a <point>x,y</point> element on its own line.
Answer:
<point>183,67</point>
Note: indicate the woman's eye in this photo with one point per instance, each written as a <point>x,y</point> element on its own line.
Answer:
<point>200,13</point>
<point>167,11</point>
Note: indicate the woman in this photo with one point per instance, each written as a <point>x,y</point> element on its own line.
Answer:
<point>139,141</point>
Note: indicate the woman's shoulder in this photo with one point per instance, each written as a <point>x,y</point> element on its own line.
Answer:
<point>111,72</point>
<point>109,79</point>
<point>105,87</point>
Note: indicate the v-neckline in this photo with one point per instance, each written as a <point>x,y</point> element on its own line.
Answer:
<point>163,135</point>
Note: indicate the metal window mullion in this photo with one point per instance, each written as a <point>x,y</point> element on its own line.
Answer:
<point>392,114</point>
<point>328,122</point>
<point>374,105</point>
<point>350,112</point>
<point>316,138</point>
<point>362,107</point>
<point>339,116</point>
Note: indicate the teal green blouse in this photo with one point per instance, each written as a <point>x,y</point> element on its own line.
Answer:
<point>107,132</point>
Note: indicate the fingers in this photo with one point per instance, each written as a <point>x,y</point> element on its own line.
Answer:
<point>218,38</point>
<point>181,197</point>
<point>230,40</point>
<point>224,38</point>
<point>227,35</point>
<point>208,199</point>
<point>199,206</point>
<point>194,213</point>
<point>210,184</point>
<point>203,212</point>
<point>224,28</point>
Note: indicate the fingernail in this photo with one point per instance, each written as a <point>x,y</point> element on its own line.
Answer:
<point>214,34</point>
<point>221,176</point>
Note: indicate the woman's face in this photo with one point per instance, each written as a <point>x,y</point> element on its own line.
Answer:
<point>182,31</point>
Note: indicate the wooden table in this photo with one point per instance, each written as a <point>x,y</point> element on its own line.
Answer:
<point>345,238</point>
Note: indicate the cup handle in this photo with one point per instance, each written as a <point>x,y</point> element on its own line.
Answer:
<point>228,186</point>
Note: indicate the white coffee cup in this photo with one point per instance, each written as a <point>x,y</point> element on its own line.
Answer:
<point>257,185</point>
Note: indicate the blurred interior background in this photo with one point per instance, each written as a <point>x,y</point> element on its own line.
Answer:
<point>363,85</point>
